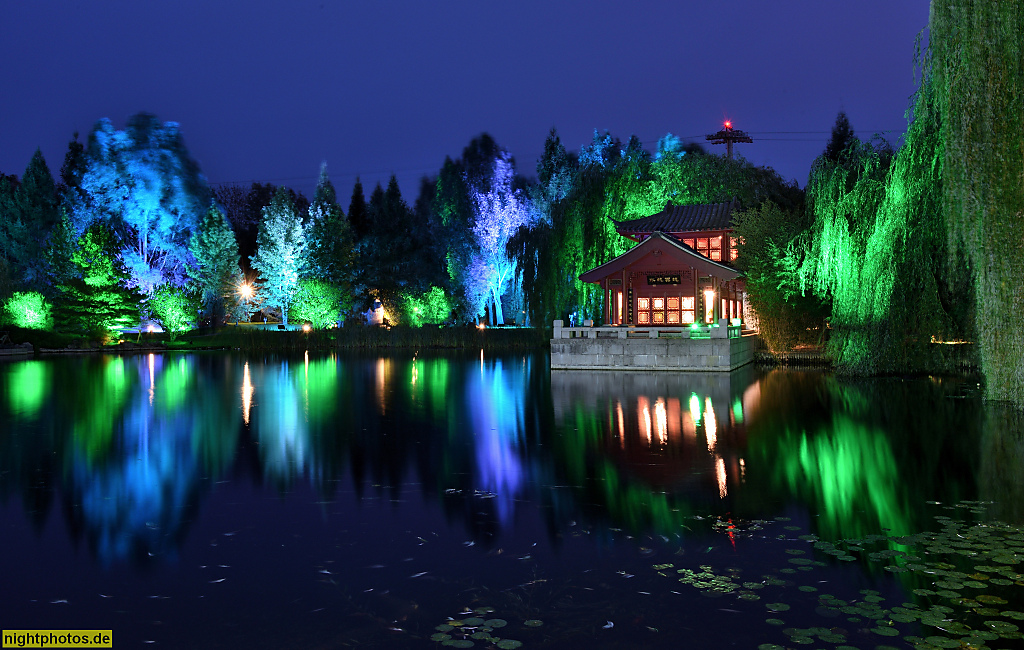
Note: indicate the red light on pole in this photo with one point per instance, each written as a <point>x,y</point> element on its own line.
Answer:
<point>728,124</point>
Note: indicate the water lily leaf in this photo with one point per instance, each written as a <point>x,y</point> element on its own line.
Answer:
<point>775,621</point>
<point>885,631</point>
<point>991,600</point>
<point>942,642</point>
<point>458,643</point>
<point>444,628</point>
<point>533,623</point>
<point>1001,627</point>
<point>509,644</point>
<point>495,622</point>
<point>777,607</point>
<point>440,636</point>
<point>473,621</point>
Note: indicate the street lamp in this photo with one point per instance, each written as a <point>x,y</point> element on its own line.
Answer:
<point>245,291</point>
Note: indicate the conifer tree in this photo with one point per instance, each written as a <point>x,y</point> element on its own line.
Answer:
<point>216,251</point>
<point>357,211</point>
<point>281,252</point>
<point>97,295</point>
<point>330,248</point>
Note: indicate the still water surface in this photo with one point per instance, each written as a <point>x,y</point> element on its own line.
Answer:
<point>325,501</point>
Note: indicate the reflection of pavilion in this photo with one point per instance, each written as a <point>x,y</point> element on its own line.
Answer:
<point>666,429</point>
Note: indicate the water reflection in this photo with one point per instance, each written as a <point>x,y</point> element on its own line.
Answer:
<point>649,434</point>
<point>496,400</point>
<point>133,445</point>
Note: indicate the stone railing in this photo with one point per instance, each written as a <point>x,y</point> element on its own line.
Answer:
<point>720,331</point>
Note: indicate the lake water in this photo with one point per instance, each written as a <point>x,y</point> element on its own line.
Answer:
<point>409,501</point>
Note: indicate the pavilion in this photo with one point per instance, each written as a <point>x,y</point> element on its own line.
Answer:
<point>676,275</point>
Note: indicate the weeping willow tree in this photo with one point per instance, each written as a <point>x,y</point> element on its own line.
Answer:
<point>978,49</point>
<point>878,248</point>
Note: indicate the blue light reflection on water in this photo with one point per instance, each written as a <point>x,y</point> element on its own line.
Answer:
<point>303,475</point>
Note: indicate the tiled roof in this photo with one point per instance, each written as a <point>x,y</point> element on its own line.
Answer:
<point>682,218</point>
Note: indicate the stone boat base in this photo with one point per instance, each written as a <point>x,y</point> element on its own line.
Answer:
<point>716,348</point>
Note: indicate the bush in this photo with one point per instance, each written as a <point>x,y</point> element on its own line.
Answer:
<point>316,301</point>
<point>175,308</point>
<point>432,307</point>
<point>29,309</point>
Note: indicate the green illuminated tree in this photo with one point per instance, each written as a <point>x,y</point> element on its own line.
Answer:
<point>316,301</point>
<point>281,252</point>
<point>878,251</point>
<point>97,296</point>
<point>175,308</point>
<point>29,309</point>
<point>330,246</point>
<point>978,63</point>
<point>771,253</point>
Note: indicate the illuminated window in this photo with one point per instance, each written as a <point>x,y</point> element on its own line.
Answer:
<point>688,302</point>
<point>643,317</point>
<point>716,255</point>
<point>716,243</point>
<point>659,303</point>
<point>643,303</point>
<point>688,316</point>
<point>659,317</point>
<point>689,242</point>
<point>702,244</point>
<point>733,250</point>
<point>673,303</point>
<point>673,317</point>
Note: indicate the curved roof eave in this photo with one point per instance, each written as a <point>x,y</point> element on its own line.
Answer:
<point>680,251</point>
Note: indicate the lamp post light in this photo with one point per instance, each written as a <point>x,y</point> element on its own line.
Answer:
<point>245,291</point>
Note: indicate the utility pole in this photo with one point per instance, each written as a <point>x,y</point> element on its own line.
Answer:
<point>727,136</point>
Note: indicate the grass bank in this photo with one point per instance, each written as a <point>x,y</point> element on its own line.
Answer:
<point>265,340</point>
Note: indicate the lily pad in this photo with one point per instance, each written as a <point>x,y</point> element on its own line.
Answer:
<point>509,644</point>
<point>533,623</point>
<point>495,622</point>
<point>458,643</point>
<point>777,607</point>
<point>440,636</point>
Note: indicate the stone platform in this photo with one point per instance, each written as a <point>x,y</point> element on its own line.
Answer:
<point>720,348</point>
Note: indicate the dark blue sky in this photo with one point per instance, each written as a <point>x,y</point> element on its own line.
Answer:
<point>267,90</point>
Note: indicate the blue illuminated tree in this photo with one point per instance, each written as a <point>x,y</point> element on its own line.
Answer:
<point>280,252</point>
<point>498,212</point>
<point>145,186</point>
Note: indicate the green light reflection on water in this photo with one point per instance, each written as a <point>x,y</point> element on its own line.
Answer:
<point>849,471</point>
<point>27,387</point>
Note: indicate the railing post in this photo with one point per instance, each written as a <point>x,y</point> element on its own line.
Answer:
<point>557,329</point>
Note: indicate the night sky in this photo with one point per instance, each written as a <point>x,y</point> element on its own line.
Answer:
<point>265,91</point>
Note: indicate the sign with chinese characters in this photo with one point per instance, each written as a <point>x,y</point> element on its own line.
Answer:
<point>663,278</point>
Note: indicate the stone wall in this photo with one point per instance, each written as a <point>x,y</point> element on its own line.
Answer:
<point>706,355</point>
